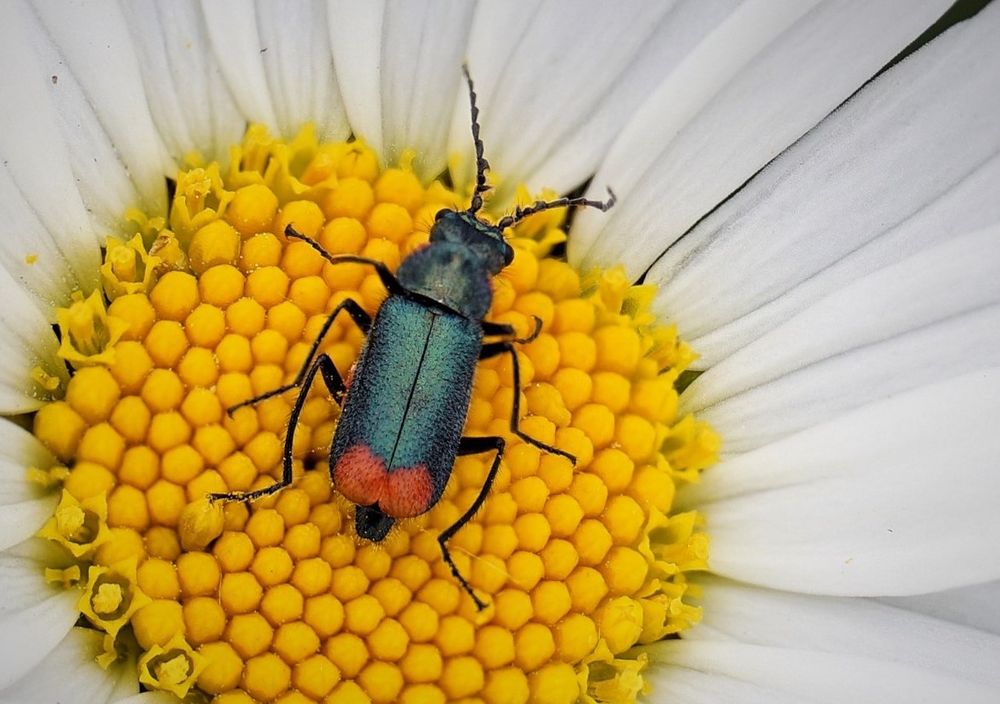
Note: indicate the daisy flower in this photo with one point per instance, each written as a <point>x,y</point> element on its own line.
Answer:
<point>816,316</point>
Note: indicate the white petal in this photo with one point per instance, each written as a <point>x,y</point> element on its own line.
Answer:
<point>558,84</point>
<point>861,627</point>
<point>932,316</point>
<point>56,233</point>
<point>28,343</point>
<point>751,673</point>
<point>295,42</point>
<point>69,674</point>
<point>47,263</point>
<point>910,161</point>
<point>974,606</point>
<point>117,153</point>
<point>190,101</point>
<point>895,498</point>
<point>232,28</point>
<point>678,684</point>
<point>753,86</point>
<point>34,617</point>
<point>399,70</point>
<point>277,61</point>
<point>23,507</point>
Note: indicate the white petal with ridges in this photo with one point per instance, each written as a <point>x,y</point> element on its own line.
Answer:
<point>399,71</point>
<point>356,42</point>
<point>34,617</point>
<point>57,234</point>
<point>277,61</point>
<point>295,41</point>
<point>559,83</point>
<point>49,264</point>
<point>117,153</point>
<point>23,507</point>
<point>232,29</point>
<point>742,673</point>
<point>70,674</point>
<point>188,96</point>
<point>974,606</point>
<point>28,343</point>
<point>861,627</point>
<point>910,161</point>
<point>753,86</point>
<point>895,498</point>
<point>930,317</point>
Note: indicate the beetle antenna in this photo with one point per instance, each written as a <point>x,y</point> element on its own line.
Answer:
<point>538,206</point>
<point>482,165</point>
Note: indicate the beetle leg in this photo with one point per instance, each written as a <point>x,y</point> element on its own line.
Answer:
<point>358,315</point>
<point>491,328</point>
<point>493,349</point>
<point>334,382</point>
<point>471,445</point>
<point>390,282</point>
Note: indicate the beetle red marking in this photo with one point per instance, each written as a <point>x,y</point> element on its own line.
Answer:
<point>360,475</point>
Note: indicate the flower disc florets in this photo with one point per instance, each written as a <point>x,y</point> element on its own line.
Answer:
<point>279,601</point>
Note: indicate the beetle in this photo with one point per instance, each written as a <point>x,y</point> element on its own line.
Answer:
<point>404,405</point>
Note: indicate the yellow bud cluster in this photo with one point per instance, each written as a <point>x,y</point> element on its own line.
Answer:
<point>279,601</point>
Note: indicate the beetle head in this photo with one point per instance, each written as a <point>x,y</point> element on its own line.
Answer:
<point>371,523</point>
<point>484,240</point>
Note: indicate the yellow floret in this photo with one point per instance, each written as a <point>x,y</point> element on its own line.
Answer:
<point>315,676</point>
<point>158,622</point>
<point>348,652</point>
<point>240,592</point>
<point>295,641</point>
<point>136,310</point>
<point>93,393</point>
<point>261,250</point>
<point>175,295</point>
<point>266,676</point>
<point>250,634</point>
<point>554,684</point>
<point>101,444</point>
<point>381,681</point>
<point>282,603</point>
<point>214,244</point>
<point>252,209</point>
<point>204,620</point>
<point>221,285</point>
<point>224,668</point>
<point>267,285</point>
<point>462,676</point>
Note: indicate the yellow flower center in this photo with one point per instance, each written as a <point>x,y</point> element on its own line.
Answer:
<point>279,600</point>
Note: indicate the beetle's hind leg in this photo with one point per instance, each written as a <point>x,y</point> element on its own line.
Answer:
<point>471,445</point>
<point>493,349</point>
<point>335,383</point>
<point>358,315</point>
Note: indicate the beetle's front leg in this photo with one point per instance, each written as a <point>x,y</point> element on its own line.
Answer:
<point>361,319</point>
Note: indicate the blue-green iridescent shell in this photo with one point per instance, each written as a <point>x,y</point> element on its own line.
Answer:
<point>410,392</point>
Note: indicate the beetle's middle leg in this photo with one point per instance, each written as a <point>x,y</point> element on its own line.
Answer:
<point>493,349</point>
<point>472,445</point>
<point>358,315</point>
<point>335,383</point>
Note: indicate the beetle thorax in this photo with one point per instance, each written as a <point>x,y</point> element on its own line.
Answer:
<point>451,274</point>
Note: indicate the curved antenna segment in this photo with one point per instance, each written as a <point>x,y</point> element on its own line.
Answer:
<point>520,213</point>
<point>482,165</point>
